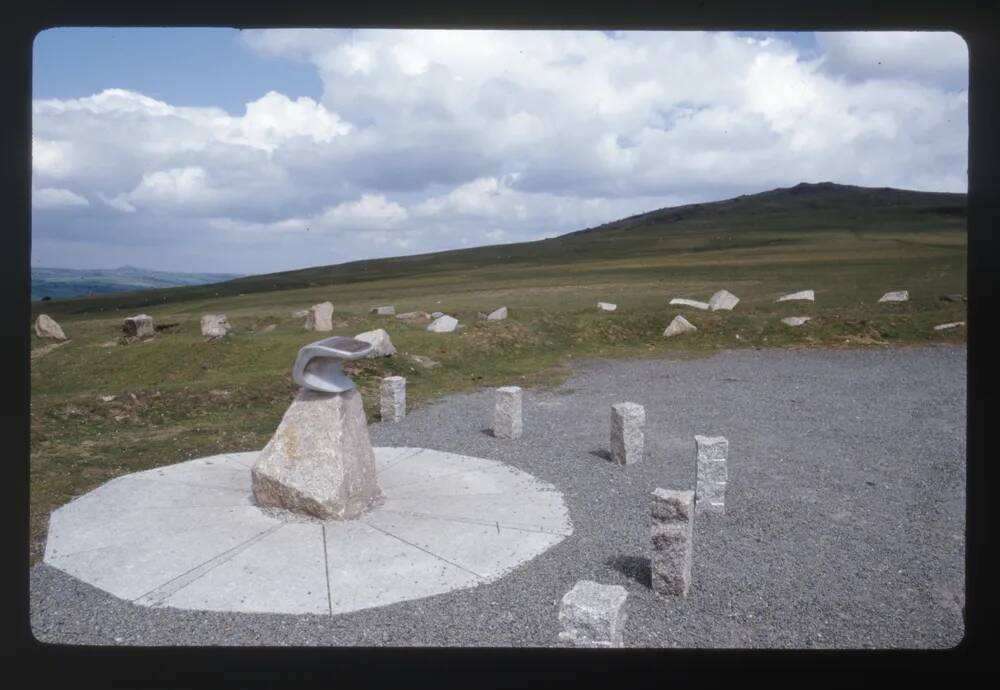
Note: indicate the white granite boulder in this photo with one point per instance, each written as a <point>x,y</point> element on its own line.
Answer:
<point>443,324</point>
<point>388,310</point>
<point>139,326</point>
<point>795,320</point>
<point>723,300</point>
<point>380,339</point>
<point>593,615</point>
<point>46,327</point>
<point>803,295</point>
<point>215,325</point>
<point>898,296</point>
<point>320,460</point>
<point>689,303</point>
<point>320,317</point>
<point>497,314</point>
<point>606,306</point>
<point>679,325</point>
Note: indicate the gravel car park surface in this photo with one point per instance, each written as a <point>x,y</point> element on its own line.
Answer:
<point>844,524</point>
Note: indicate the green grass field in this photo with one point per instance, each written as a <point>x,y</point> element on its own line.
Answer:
<point>178,397</point>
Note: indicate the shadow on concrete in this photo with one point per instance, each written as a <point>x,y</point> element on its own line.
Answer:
<point>488,432</point>
<point>602,454</point>
<point>636,568</point>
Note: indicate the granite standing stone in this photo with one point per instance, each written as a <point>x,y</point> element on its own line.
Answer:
<point>723,299</point>
<point>393,398</point>
<point>215,325</point>
<point>320,460</point>
<point>380,339</point>
<point>46,327</point>
<point>627,419</point>
<point>672,529</point>
<point>507,422</point>
<point>593,615</point>
<point>898,296</point>
<point>320,317</point>
<point>679,325</point>
<point>710,492</point>
<point>139,326</point>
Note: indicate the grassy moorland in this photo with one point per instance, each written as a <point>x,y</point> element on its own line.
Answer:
<point>177,396</point>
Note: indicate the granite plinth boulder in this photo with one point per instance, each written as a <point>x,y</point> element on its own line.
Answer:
<point>139,326</point>
<point>897,296</point>
<point>443,324</point>
<point>46,327</point>
<point>380,339</point>
<point>723,300</point>
<point>507,421</point>
<point>672,515</point>
<point>320,460</point>
<point>319,317</point>
<point>809,295</point>
<point>593,615</point>
<point>627,420</point>
<point>679,325</point>
<point>215,325</point>
<point>689,303</point>
<point>392,403</point>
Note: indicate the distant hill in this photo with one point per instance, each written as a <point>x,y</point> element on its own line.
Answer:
<point>779,216</point>
<point>63,283</point>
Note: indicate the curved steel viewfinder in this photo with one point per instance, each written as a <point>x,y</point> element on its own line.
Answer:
<point>318,365</point>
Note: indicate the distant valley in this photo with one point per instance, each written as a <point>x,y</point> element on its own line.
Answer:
<point>63,283</point>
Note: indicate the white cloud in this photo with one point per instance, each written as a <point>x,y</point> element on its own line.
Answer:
<point>423,138</point>
<point>51,197</point>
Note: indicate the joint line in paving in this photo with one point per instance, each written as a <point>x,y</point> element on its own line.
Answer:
<point>398,460</point>
<point>157,595</point>
<point>326,568</point>
<point>473,521</point>
<point>429,553</point>
<point>437,478</point>
<point>160,480</point>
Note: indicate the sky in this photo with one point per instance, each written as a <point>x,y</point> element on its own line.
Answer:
<point>255,151</point>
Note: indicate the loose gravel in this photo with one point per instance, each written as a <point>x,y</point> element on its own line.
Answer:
<point>844,524</point>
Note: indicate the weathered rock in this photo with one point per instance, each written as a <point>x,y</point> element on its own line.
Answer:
<point>689,303</point>
<point>380,339</point>
<point>268,329</point>
<point>497,314</point>
<point>710,490</point>
<point>593,615</point>
<point>301,313</point>
<point>952,298</point>
<point>215,325</point>
<point>437,314</point>
<point>677,326</point>
<point>320,317</point>
<point>443,324</point>
<point>803,295</point>
<point>425,362</point>
<point>795,320</point>
<point>627,419</point>
<point>507,422</point>
<point>606,306</point>
<point>139,326</point>
<point>946,326</point>
<point>388,310</point>
<point>672,529</point>
<point>723,300</point>
<point>413,316</point>
<point>898,296</point>
<point>393,398</point>
<point>46,327</point>
<point>320,460</point>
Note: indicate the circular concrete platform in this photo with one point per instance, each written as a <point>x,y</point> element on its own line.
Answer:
<point>189,536</point>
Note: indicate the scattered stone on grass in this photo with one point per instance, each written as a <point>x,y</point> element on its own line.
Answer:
<point>425,362</point>
<point>507,421</point>
<point>947,326</point>
<point>952,298</point>
<point>388,310</point>
<point>138,326</point>
<point>593,615</point>
<point>413,316</point>
<point>795,320</point>
<point>898,296</point>
<point>269,328</point>
<point>380,339</point>
<point>497,314</point>
<point>393,398</point>
<point>627,420</point>
<point>46,327</point>
<point>606,306</point>
<point>215,325</point>
<point>437,314</point>
<point>672,529</point>
<point>300,314</point>
<point>677,326</point>
<point>319,317</point>
<point>723,300</point>
<point>803,295</point>
<point>443,324</point>
<point>689,303</point>
<point>711,475</point>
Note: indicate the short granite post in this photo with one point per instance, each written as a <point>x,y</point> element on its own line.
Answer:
<point>393,398</point>
<point>593,615</point>
<point>710,492</point>
<point>673,527</point>
<point>507,421</point>
<point>627,419</point>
